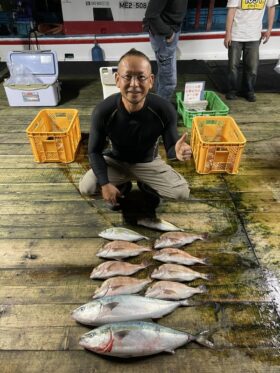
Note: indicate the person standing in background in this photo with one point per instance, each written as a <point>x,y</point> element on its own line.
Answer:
<point>163,20</point>
<point>243,36</point>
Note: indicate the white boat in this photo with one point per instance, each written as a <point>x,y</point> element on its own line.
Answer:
<point>117,26</point>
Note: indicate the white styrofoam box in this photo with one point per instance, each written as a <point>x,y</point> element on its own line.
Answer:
<point>107,76</point>
<point>42,95</point>
<point>43,67</point>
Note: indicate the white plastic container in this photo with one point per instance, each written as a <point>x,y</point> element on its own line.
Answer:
<point>43,66</point>
<point>107,76</point>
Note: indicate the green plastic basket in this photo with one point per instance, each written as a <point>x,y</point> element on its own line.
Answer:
<point>215,107</point>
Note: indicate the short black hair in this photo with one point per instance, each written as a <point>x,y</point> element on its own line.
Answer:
<point>134,52</point>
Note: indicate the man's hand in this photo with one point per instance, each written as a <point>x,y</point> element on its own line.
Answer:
<point>110,193</point>
<point>227,40</point>
<point>169,40</point>
<point>266,36</point>
<point>182,149</point>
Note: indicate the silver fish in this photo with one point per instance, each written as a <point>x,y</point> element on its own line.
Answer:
<point>177,272</point>
<point>158,224</point>
<point>121,249</point>
<point>121,285</point>
<point>112,268</point>
<point>170,255</point>
<point>177,239</point>
<point>118,233</point>
<point>124,308</point>
<point>173,290</point>
<point>130,339</point>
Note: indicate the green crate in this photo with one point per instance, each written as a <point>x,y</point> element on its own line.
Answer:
<point>215,107</point>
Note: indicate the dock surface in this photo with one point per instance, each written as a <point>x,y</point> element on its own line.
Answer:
<point>49,238</point>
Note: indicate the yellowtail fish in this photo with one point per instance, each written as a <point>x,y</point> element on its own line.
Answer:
<point>121,285</point>
<point>119,233</point>
<point>131,339</point>
<point>124,308</point>
<point>177,239</point>
<point>121,249</point>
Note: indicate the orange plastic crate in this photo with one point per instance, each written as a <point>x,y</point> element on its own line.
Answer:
<point>54,135</point>
<point>217,144</point>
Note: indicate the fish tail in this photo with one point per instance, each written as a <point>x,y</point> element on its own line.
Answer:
<point>202,289</point>
<point>204,236</point>
<point>185,303</point>
<point>205,261</point>
<point>201,338</point>
<point>207,276</point>
<point>146,263</point>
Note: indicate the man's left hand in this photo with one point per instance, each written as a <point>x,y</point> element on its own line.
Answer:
<point>266,36</point>
<point>182,149</point>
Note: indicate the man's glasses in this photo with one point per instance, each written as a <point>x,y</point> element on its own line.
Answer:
<point>129,77</point>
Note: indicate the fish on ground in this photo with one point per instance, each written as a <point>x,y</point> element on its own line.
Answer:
<point>158,224</point>
<point>173,290</point>
<point>177,272</point>
<point>140,338</point>
<point>119,233</point>
<point>118,308</point>
<point>171,255</point>
<point>112,268</point>
<point>121,285</point>
<point>177,239</point>
<point>121,249</point>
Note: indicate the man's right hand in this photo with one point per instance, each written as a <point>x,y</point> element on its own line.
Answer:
<point>227,40</point>
<point>110,193</point>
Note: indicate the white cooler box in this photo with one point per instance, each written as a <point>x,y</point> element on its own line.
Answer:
<point>107,76</point>
<point>44,67</point>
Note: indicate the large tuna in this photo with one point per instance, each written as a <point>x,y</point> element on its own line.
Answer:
<point>124,308</point>
<point>130,339</point>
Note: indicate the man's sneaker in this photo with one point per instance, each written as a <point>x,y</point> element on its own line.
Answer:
<point>231,96</point>
<point>251,97</point>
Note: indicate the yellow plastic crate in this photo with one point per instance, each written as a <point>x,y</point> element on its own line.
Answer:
<point>217,144</point>
<point>54,135</point>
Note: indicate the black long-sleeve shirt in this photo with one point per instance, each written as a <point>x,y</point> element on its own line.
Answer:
<point>133,136</point>
<point>163,17</point>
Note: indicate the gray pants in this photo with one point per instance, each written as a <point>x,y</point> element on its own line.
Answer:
<point>157,174</point>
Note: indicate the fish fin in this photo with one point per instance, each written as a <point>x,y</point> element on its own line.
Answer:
<point>202,288</point>
<point>169,291</point>
<point>121,334</point>
<point>202,339</point>
<point>170,351</point>
<point>185,303</point>
<point>111,306</point>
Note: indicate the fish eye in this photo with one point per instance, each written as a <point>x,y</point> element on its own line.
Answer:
<point>82,308</point>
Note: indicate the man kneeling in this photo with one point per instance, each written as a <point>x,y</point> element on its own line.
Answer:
<point>133,121</point>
